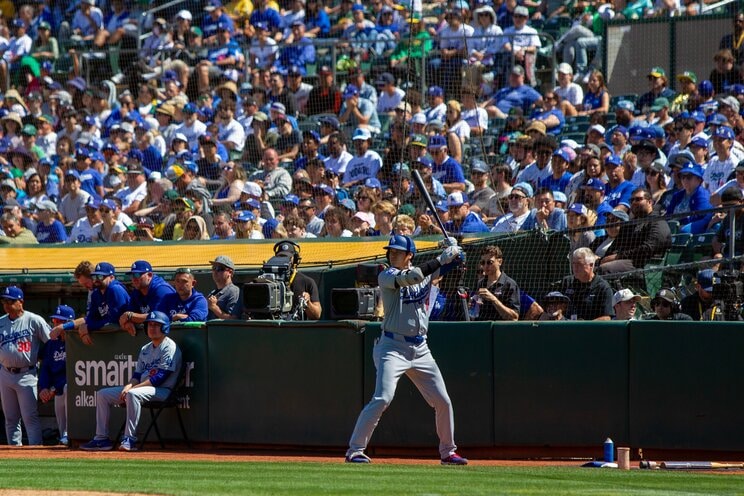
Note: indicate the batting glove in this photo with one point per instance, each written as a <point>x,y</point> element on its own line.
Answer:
<point>450,241</point>
<point>449,255</point>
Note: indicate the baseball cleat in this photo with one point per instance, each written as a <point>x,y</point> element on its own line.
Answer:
<point>454,459</point>
<point>64,441</point>
<point>128,444</point>
<point>98,445</point>
<point>358,458</point>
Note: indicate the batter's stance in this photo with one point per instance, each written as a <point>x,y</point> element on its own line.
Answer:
<point>402,349</point>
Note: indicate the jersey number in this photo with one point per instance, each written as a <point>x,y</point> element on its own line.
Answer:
<point>24,346</point>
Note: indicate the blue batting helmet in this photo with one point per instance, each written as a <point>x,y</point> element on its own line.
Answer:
<point>160,318</point>
<point>403,243</point>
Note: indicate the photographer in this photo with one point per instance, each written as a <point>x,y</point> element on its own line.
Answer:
<point>728,295</point>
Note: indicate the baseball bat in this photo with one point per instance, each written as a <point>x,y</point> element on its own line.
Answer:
<point>699,465</point>
<point>429,203</point>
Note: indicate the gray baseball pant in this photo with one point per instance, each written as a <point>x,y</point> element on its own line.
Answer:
<point>393,358</point>
<point>135,397</point>
<point>18,394</point>
<point>60,411</point>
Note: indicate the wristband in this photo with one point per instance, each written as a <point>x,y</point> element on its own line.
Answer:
<point>129,316</point>
<point>68,326</point>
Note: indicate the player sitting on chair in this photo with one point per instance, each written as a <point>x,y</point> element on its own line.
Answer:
<point>154,376</point>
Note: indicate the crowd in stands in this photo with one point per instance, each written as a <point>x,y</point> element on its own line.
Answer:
<point>226,122</point>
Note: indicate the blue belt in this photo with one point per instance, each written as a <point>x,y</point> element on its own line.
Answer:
<point>19,370</point>
<point>408,339</point>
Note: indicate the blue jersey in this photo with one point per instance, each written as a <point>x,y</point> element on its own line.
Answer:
<point>105,308</point>
<point>449,171</point>
<point>231,49</point>
<point>554,184</point>
<point>154,299</point>
<point>522,97</point>
<point>620,194</point>
<point>90,179</point>
<point>270,16</point>
<point>209,25</point>
<point>51,233</point>
<point>195,306</point>
<point>53,366</point>
<point>472,223</point>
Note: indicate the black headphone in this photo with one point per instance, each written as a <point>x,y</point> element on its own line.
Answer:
<point>675,302</point>
<point>289,248</point>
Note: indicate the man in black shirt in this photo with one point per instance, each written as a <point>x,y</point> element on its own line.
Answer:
<point>666,306</point>
<point>303,287</point>
<point>497,296</point>
<point>590,294</point>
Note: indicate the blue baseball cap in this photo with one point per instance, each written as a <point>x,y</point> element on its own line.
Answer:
<point>441,205</point>
<point>724,132</point>
<point>698,141</point>
<point>436,142</point>
<point>578,208</point>
<point>291,199</point>
<point>269,227</point>
<point>372,182</point>
<point>313,134</point>
<point>705,279</point>
<point>717,119</point>
<point>594,183</point>
<point>140,267</point>
<point>261,25</point>
<point>691,168</point>
<point>613,161</point>
<point>110,204</point>
<point>189,108</point>
<point>705,88</point>
<point>525,188</point>
<point>63,312</point>
<point>618,129</point>
<point>351,90</point>
<point>245,216</point>
<point>72,173</point>
<point>698,116</point>
<point>82,152</point>
<point>110,147</point>
<point>103,269</point>
<point>626,105</point>
<point>12,293</point>
<point>135,155</point>
<point>562,154</point>
<point>325,189</point>
<point>435,91</point>
<point>348,204</point>
<point>253,203</point>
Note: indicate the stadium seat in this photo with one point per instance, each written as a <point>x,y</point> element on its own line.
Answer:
<point>700,247</point>
<point>633,97</point>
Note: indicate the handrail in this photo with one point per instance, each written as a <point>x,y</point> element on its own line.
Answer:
<point>707,8</point>
<point>147,13</point>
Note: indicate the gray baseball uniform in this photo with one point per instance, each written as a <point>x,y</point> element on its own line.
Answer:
<point>20,340</point>
<point>402,349</point>
<point>166,357</point>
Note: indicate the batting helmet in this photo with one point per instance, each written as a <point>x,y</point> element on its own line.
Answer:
<point>160,318</point>
<point>403,243</point>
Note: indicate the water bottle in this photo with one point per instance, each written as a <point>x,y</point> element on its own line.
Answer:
<point>475,305</point>
<point>609,451</point>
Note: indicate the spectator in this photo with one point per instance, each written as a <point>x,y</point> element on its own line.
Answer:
<point>298,90</point>
<point>232,183</point>
<point>274,180</point>
<point>597,98</point>
<point>156,373</point>
<point>366,163</point>
<point>580,218</point>
<point>49,229</point>
<point>724,74</point>
<point>591,296</point>
<point>296,227</point>
<point>732,41</point>
<point>720,167</point>
<point>231,133</point>
<point>316,20</point>
<point>300,53</point>
<point>578,41</point>
<point>497,293</point>
<point>437,109</point>
<point>194,227</point>
<point>697,304</point>
<point>455,123</point>
<point>593,194</point>
<point>224,301</point>
<point>111,229</point>
<point>336,224</point>
<point>445,169</point>
<point>658,83</point>
<point>523,42</point>
<point>411,46</point>
<point>453,51</point>
<point>551,116</point>
<point>618,189</point>
<point>18,47</point>
<point>543,146</point>
<point>223,227</point>
<point>546,215</point>
<point>383,212</point>
<point>519,210</point>
<point>307,210</point>
<point>72,206</point>
<point>186,304</point>
<point>358,112</point>
<point>15,233</point>
<point>731,198</point>
<point>637,242</point>
<point>570,94</point>
<point>325,98</point>
<point>613,221</point>
<point>656,182</point>
<point>692,198</point>
<point>338,158</point>
<point>85,229</point>
<point>515,95</point>
<point>666,306</point>
<point>624,303</point>
<point>461,219</point>
<point>482,193</point>
<point>560,177</point>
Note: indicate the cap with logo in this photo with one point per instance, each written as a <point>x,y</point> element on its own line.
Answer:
<point>525,188</point>
<point>578,208</point>
<point>140,267</point>
<point>223,260</point>
<point>705,279</point>
<point>104,269</point>
<point>624,295</point>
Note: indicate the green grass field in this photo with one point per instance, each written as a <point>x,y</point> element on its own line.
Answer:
<point>259,478</point>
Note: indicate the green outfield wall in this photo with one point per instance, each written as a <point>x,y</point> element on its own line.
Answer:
<point>645,384</point>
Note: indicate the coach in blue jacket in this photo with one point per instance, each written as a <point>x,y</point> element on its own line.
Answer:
<point>148,295</point>
<point>186,304</point>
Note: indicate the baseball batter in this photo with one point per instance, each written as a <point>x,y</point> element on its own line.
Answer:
<point>154,376</point>
<point>21,335</point>
<point>402,348</point>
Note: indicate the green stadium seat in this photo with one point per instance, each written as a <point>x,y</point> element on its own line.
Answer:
<point>700,246</point>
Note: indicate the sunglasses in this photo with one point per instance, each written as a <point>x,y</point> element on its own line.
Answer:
<point>516,197</point>
<point>183,270</point>
<point>487,262</point>
<point>99,277</point>
<point>219,268</point>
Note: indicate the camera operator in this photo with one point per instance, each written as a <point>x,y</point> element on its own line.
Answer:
<point>696,304</point>
<point>728,297</point>
<point>304,289</point>
<point>666,307</point>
